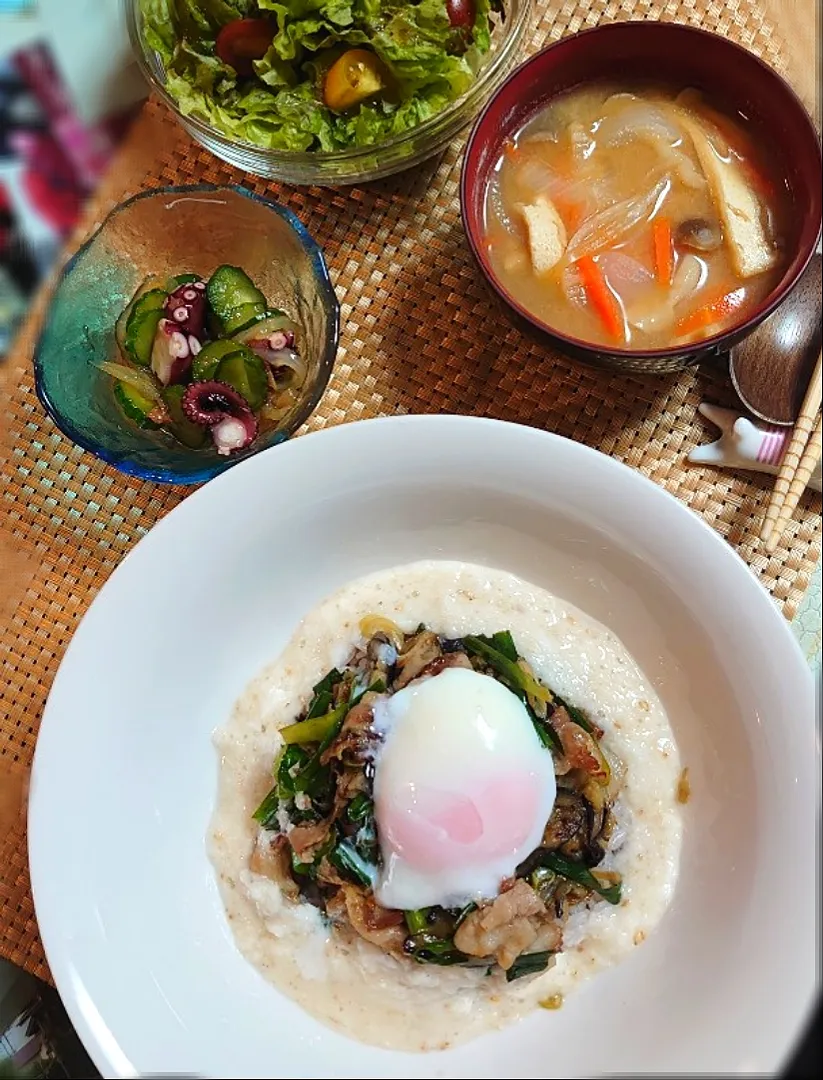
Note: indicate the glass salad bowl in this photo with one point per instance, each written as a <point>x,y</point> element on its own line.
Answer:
<point>345,166</point>
<point>162,233</point>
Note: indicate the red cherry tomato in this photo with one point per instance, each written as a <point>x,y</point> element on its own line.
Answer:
<point>242,41</point>
<point>461,13</point>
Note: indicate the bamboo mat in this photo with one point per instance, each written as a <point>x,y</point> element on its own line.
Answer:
<point>416,337</point>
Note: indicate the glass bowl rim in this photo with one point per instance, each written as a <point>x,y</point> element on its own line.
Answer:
<point>166,474</point>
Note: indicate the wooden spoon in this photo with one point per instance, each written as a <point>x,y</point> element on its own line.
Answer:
<point>771,368</point>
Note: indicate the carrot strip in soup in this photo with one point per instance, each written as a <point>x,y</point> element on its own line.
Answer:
<point>721,307</point>
<point>663,250</point>
<point>601,297</point>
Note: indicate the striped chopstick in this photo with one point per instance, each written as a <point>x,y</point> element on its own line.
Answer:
<point>794,451</point>
<point>811,456</point>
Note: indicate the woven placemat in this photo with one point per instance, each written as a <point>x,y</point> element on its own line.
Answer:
<point>416,337</point>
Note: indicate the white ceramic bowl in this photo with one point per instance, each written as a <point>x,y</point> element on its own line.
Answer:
<point>124,776</point>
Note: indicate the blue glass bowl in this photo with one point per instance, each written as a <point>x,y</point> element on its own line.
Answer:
<point>164,232</point>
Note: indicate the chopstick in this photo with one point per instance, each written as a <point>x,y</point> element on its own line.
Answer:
<point>811,456</point>
<point>794,451</point>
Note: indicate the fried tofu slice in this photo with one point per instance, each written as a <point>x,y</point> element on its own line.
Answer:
<point>738,207</point>
<point>547,234</point>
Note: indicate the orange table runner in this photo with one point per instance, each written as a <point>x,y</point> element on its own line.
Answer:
<point>415,338</point>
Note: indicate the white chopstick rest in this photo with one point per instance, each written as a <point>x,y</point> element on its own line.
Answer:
<point>745,444</point>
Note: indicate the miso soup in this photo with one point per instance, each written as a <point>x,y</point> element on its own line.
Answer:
<point>635,218</point>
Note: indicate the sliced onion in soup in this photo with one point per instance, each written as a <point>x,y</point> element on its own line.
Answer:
<point>606,228</point>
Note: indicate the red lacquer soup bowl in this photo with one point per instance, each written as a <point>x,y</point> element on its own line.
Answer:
<point>732,79</point>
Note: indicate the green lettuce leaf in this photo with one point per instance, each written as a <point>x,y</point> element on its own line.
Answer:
<point>290,119</point>
<point>309,25</point>
<point>337,12</point>
<point>301,114</point>
<point>431,65</point>
<point>367,11</point>
<point>481,34</point>
<point>203,71</point>
<point>191,21</point>
<point>374,123</point>
<point>242,8</point>
<point>159,29</point>
<point>419,47</point>
<point>274,70</point>
<point>195,20</point>
<point>311,35</point>
<point>220,12</point>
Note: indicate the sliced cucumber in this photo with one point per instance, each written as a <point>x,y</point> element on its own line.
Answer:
<point>246,372</point>
<point>230,288</point>
<point>244,316</point>
<point>264,327</point>
<point>195,436</point>
<point>208,359</point>
<point>140,335</point>
<point>153,300</point>
<point>141,325</point>
<point>147,285</point>
<point>181,279</point>
<point>134,404</point>
<point>214,327</point>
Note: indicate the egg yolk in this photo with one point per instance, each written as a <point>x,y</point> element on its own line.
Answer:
<point>463,789</point>
<point>430,828</point>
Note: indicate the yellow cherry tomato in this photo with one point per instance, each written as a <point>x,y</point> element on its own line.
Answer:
<point>356,76</point>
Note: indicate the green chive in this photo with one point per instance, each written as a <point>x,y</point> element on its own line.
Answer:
<point>316,729</point>
<point>581,875</point>
<point>528,964</point>
<point>347,861</point>
<point>428,949</point>
<point>360,807</point>
<point>266,813</point>
<point>509,669</point>
<point>504,643</point>
<point>289,765</point>
<point>464,913</point>
<point>416,920</point>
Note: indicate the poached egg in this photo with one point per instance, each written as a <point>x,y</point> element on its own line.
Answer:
<point>463,788</point>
